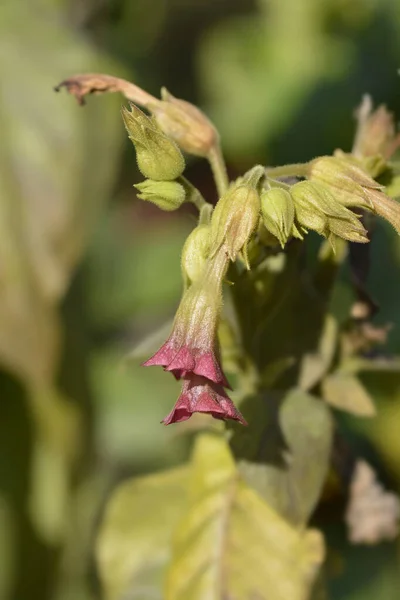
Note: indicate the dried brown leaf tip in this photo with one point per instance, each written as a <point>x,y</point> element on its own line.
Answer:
<point>82,85</point>
<point>373,514</point>
<point>98,83</point>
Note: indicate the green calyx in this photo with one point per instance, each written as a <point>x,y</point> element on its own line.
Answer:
<point>195,253</point>
<point>277,210</point>
<point>167,195</point>
<point>234,219</point>
<point>158,156</point>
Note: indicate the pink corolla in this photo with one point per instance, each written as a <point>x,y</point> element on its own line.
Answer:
<point>192,346</point>
<point>203,396</point>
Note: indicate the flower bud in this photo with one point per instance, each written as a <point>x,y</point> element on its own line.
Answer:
<point>376,131</point>
<point>308,214</point>
<point>195,253</point>
<point>351,186</point>
<point>347,181</point>
<point>234,219</point>
<point>167,195</point>
<point>185,124</point>
<point>316,208</point>
<point>277,209</point>
<point>158,157</point>
<point>348,229</point>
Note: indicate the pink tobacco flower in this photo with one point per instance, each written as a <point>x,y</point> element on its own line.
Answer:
<point>203,396</point>
<point>192,346</point>
<point>182,355</point>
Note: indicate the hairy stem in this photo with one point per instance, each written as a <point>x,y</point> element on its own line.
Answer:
<point>218,168</point>
<point>194,195</point>
<point>294,170</point>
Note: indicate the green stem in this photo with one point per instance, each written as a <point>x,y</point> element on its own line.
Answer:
<point>294,170</point>
<point>194,195</point>
<point>270,182</point>
<point>218,168</point>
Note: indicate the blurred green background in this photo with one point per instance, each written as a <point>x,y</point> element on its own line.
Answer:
<point>86,270</point>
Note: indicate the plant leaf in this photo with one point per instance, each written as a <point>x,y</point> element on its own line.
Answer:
<point>57,165</point>
<point>315,365</point>
<point>230,544</point>
<point>277,451</point>
<point>133,545</point>
<point>357,364</point>
<point>346,392</point>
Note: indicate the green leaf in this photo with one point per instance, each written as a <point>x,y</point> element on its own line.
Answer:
<point>344,391</point>
<point>315,365</point>
<point>358,364</point>
<point>277,451</point>
<point>57,166</point>
<point>133,545</point>
<point>230,544</point>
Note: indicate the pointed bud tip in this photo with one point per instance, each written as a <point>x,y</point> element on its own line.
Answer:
<point>167,195</point>
<point>158,157</point>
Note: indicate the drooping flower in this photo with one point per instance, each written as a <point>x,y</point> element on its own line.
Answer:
<point>192,346</point>
<point>203,396</point>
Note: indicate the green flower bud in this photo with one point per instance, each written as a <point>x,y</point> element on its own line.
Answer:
<point>316,208</point>
<point>277,209</point>
<point>347,181</point>
<point>234,219</point>
<point>376,131</point>
<point>252,177</point>
<point>167,195</point>
<point>158,157</point>
<point>266,237</point>
<point>308,213</point>
<point>195,253</point>
<point>348,229</point>
<point>374,165</point>
<point>185,124</point>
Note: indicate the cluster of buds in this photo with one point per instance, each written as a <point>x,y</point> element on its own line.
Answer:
<point>322,202</point>
<point>350,184</point>
<point>309,205</point>
<point>259,202</point>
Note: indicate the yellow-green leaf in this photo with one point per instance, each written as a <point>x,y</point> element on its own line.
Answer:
<point>315,365</point>
<point>230,544</point>
<point>133,546</point>
<point>344,391</point>
<point>276,452</point>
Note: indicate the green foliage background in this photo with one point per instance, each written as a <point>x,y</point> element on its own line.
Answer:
<point>86,271</point>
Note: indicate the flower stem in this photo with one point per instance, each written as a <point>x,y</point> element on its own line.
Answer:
<point>218,168</point>
<point>194,195</point>
<point>294,170</point>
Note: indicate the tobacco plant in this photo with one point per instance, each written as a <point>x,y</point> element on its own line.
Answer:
<point>263,357</point>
